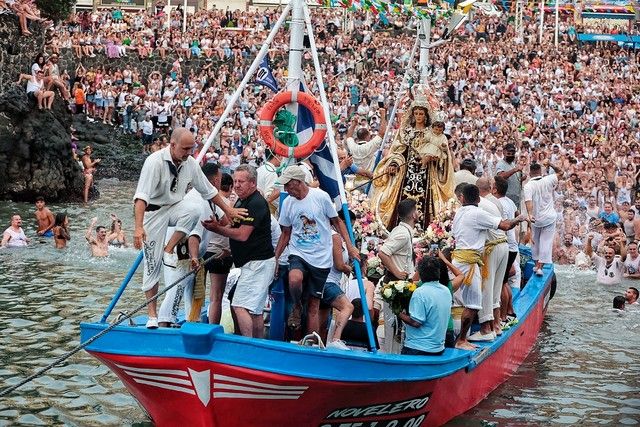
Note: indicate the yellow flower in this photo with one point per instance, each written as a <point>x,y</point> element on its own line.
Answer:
<point>412,287</point>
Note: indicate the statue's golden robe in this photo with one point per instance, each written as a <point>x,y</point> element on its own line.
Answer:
<point>430,186</point>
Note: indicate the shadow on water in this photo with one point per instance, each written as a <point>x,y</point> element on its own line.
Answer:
<point>584,369</point>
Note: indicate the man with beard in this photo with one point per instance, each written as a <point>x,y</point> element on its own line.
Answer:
<point>565,254</point>
<point>508,169</point>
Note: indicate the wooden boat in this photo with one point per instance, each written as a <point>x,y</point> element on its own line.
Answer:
<point>197,375</point>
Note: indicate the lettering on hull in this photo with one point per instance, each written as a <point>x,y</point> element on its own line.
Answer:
<point>372,414</point>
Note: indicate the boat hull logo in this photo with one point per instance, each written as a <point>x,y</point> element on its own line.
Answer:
<point>205,385</point>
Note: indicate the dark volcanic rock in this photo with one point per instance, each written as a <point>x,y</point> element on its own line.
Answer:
<point>120,154</point>
<point>35,150</point>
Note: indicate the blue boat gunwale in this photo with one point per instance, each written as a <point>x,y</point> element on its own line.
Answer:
<point>362,366</point>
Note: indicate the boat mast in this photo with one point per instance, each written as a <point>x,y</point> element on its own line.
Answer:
<point>424,35</point>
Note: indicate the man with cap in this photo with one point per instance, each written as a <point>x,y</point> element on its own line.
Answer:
<point>306,218</point>
<point>508,169</point>
<point>466,174</point>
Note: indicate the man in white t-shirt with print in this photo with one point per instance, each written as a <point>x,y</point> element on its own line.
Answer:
<point>306,218</point>
<point>538,198</point>
<point>610,267</point>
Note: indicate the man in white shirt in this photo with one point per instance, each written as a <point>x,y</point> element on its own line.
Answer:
<point>538,198</point>
<point>363,148</point>
<point>469,229</point>
<point>509,211</point>
<point>466,174</point>
<point>267,177</point>
<point>610,268</point>
<point>496,252</point>
<point>396,255</point>
<point>164,179</point>
<point>306,218</point>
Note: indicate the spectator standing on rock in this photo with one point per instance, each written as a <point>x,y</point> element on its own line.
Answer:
<point>89,168</point>
<point>36,91</point>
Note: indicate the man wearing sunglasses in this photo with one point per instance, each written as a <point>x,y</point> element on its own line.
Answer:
<point>610,267</point>
<point>164,180</point>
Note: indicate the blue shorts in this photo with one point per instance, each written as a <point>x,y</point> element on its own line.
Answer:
<point>314,278</point>
<point>331,292</point>
<point>49,233</point>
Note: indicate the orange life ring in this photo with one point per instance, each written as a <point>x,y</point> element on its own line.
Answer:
<point>266,127</point>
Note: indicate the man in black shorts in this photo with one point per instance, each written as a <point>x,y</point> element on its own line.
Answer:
<point>306,218</point>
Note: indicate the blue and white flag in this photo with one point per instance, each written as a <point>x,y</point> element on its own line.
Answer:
<point>265,77</point>
<point>321,159</point>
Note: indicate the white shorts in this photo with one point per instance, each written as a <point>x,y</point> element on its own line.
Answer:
<point>471,294</point>
<point>252,288</point>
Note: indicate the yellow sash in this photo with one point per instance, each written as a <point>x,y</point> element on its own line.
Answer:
<point>199,290</point>
<point>488,248</point>
<point>468,256</point>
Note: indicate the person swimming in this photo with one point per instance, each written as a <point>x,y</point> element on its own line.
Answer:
<point>116,237</point>
<point>61,231</point>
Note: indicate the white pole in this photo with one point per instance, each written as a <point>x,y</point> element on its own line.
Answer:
<point>296,41</point>
<point>184,17</point>
<point>557,24</point>
<point>252,69</point>
<point>336,167</point>
<point>424,35</point>
<point>169,15</point>
<point>541,21</point>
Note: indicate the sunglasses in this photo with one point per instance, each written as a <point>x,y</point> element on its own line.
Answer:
<point>174,184</point>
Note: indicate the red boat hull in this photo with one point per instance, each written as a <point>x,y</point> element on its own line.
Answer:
<point>191,392</point>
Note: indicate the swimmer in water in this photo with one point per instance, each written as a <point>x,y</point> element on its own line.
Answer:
<point>116,238</point>
<point>44,217</point>
<point>61,231</point>
<point>98,244</point>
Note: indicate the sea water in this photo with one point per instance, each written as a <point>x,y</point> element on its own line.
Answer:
<point>585,368</point>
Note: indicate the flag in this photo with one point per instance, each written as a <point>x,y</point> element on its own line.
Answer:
<point>265,77</point>
<point>322,159</point>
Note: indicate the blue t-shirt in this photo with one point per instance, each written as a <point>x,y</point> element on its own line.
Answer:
<point>431,306</point>
<point>612,218</point>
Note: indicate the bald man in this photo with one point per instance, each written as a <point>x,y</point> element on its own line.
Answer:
<point>164,180</point>
<point>496,251</point>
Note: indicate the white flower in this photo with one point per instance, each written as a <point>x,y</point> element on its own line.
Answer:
<point>387,292</point>
<point>399,286</point>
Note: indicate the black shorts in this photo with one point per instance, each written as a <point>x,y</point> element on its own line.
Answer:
<point>32,96</point>
<point>314,278</point>
<point>510,260</point>
<point>218,265</point>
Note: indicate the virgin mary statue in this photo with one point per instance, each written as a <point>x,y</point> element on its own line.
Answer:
<point>418,166</point>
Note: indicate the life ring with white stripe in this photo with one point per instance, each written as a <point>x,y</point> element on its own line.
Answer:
<point>266,127</point>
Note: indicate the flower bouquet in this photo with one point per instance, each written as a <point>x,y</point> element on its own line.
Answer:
<point>438,233</point>
<point>375,269</point>
<point>365,224</point>
<point>398,294</point>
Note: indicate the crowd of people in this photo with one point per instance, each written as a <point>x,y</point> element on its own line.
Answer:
<point>550,131</point>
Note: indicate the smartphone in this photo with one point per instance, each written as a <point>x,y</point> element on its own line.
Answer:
<point>434,247</point>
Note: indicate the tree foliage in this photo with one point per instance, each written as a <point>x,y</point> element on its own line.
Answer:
<point>56,10</point>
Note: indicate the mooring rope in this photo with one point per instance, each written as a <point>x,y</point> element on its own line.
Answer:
<point>100,334</point>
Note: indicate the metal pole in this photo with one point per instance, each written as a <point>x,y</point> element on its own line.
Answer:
<point>184,17</point>
<point>541,21</point>
<point>296,46</point>
<point>169,15</point>
<point>123,286</point>
<point>424,35</point>
<point>252,69</point>
<point>557,24</point>
<point>338,172</point>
